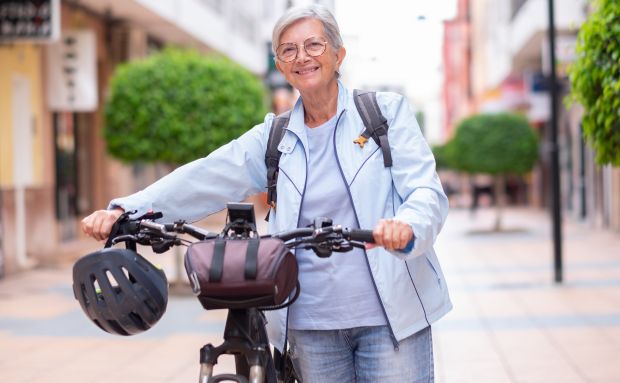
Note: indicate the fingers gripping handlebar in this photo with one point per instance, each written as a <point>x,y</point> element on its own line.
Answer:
<point>125,226</point>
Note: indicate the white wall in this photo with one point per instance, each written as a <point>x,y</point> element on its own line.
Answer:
<point>533,17</point>
<point>497,51</point>
<point>225,32</point>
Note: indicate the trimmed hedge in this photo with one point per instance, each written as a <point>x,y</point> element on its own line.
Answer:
<point>493,144</point>
<point>177,105</point>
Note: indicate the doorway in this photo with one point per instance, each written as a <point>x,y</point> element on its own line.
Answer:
<point>66,185</point>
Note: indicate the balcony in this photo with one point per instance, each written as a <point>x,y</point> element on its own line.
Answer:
<point>528,29</point>
<point>206,25</point>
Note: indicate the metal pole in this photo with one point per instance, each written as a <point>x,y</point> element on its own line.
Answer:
<point>556,212</point>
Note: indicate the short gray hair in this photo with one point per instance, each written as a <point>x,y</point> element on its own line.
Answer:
<point>312,11</point>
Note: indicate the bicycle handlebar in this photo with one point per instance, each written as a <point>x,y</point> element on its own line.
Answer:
<point>161,236</point>
<point>359,235</point>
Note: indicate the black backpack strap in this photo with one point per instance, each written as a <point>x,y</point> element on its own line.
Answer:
<point>376,125</point>
<point>272,155</point>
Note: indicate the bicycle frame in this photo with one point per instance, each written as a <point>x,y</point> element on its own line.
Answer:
<point>251,350</point>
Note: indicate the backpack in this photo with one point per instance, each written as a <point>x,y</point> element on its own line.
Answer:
<point>376,127</point>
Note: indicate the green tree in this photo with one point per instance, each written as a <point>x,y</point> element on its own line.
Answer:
<point>442,154</point>
<point>496,144</point>
<point>595,80</point>
<point>178,105</point>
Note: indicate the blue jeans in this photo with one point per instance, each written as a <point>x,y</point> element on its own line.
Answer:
<point>361,354</point>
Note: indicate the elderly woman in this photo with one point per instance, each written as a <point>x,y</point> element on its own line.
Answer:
<point>363,316</point>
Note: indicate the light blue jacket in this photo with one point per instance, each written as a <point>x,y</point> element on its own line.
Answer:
<point>411,285</point>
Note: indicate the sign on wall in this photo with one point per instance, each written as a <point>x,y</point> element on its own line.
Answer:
<point>72,72</point>
<point>29,20</point>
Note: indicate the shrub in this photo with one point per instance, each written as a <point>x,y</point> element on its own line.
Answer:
<point>442,156</point>
<point>494,144</point>
<point>176,106</point>
<point>497,144</point>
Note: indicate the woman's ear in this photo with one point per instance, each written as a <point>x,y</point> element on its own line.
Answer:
<point>340,55</point>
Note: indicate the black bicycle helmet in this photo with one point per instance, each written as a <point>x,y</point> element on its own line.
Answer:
<point>120,291</point>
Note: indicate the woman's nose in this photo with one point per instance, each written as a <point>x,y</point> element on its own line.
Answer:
<point>302,56</point>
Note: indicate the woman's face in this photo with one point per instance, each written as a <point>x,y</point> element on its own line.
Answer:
<point>305,72</point>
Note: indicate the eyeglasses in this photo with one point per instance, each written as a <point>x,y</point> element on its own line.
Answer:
<point>314,46</point>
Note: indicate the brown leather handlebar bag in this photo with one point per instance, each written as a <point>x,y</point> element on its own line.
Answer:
<point>241,273</point>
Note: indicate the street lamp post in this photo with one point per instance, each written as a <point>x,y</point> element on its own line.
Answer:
<point>556,213</point>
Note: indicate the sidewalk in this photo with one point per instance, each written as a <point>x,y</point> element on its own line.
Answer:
<point>510,322</point>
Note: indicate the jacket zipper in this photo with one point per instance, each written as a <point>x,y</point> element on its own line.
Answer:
<point>374,284</point>
<point>301,203</point>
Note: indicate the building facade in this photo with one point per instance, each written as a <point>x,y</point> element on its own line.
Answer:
<point>54,168</point>
<point>457,52</point>
<point>509,68</point>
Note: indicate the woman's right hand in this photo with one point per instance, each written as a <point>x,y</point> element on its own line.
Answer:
<point>99,224</point>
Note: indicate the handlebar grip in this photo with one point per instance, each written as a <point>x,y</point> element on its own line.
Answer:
<point>361,235</point>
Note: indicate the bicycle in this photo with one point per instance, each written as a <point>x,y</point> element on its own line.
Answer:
<point>245,335</point>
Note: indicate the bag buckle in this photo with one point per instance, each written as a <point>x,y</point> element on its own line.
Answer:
<point>193,279</point>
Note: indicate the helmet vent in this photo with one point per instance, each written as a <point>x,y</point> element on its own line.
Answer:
<point>128,275</point>
<point>111,278</point>
<point>97,288</point>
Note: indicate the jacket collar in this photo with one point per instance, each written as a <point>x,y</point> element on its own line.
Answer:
<point>296,121</point>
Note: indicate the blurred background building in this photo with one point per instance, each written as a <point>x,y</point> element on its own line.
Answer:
<point>57,56</point>
<point>496,58</point>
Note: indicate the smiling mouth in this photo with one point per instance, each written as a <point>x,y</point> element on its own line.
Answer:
<point>306,71</point>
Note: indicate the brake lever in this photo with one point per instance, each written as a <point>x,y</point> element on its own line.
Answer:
<point>115,231</point>
<point>160,246</point>
<point>342,246</point>
<point>321,252</point>
<point>122,238</point>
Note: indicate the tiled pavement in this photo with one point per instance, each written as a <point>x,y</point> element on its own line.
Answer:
<point>510,322</point>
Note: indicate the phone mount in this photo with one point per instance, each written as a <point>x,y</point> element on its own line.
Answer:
<point>241,221</point>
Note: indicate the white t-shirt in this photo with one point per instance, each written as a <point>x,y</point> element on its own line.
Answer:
<point>336,292</point>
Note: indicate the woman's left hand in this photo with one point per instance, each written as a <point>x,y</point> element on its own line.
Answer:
<point>391,234</point>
